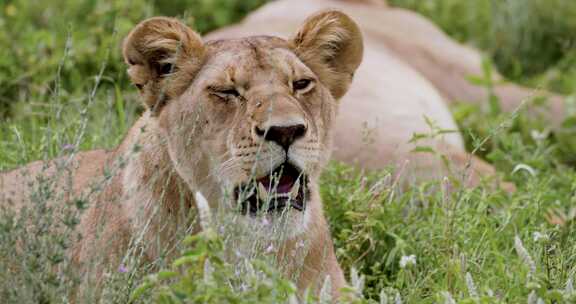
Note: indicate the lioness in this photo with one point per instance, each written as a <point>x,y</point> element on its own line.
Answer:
<point>247,122</point>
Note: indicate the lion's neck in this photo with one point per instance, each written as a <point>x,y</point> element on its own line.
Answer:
<point>148,166</point>
<point>155,199</point>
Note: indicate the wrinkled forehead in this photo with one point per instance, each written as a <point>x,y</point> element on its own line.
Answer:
<point>253,59</point>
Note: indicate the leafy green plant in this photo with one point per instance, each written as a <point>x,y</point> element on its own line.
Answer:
<point>202,275</point>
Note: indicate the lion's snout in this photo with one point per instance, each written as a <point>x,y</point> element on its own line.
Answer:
<point>282,135</point>
<point>280,120</point>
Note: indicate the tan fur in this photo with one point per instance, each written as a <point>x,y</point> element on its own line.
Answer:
<point>195,137</point>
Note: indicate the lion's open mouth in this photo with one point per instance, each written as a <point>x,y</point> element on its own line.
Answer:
<point>284,187</point>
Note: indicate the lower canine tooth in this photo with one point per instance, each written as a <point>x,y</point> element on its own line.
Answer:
<point>295,190</point>
<point>263,193</point>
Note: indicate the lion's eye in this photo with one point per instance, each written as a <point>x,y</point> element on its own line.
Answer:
<point>226,93</point>
<point>165,69</point>
<point>301,84</point>
<point>230,92</point>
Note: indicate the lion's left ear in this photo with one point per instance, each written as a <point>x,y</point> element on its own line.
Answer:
<point>330,43</point>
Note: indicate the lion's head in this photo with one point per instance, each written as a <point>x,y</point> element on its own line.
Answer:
<point>250,118</point>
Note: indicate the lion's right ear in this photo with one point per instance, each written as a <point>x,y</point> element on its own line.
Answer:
<point>159,47</point>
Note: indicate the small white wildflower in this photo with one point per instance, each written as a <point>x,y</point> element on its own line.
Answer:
<point>305,296</point>
<point>357,280</point>
<point>203,211</point>
<point>537,135</point>
<point>532,298</point>
<point>525,256</point>
<point>537,236</point>
<point>526,168</point>
<point>471,286</point>
<point>407,260</point>
<point>383,297</point>
<point>569,286</point>
<point>397,299</point>
<point>292,299</point>
<point>326,291</point>
<point>448,299</point>
<point>270,248</point>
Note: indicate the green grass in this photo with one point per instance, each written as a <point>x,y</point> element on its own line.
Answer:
<point>62,83</point>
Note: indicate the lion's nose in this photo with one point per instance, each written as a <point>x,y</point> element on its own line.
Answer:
<point>282,135</point>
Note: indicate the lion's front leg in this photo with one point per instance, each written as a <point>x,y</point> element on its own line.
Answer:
<point>335,272</point>
<point>320,262</point>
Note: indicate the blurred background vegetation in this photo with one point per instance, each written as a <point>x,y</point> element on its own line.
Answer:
<point>64,44</point>
<point>59,43</point>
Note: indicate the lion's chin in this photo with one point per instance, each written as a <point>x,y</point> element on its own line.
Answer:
<point>286,225</point>
<point>276,226</point>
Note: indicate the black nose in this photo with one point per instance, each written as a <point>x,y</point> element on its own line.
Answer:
<point>284,136</point>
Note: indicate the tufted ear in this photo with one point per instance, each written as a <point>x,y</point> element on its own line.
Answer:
<point>330,43</point>
<point>157,48</point>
